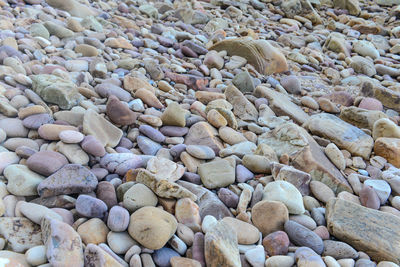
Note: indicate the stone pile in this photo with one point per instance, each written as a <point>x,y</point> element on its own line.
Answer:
<point>199,133</point>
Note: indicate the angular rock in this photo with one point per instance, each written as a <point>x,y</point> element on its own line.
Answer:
<point>343,134</point>
<point>209,203</point>
<point>56,90</point>
<point>305,154</point>
<point>368,230</point>
<point>220,246</point>
<point>120,163</point>
<point>281,104</point>
<point>361,118</point>
<point>217,173</point>
<point>70,179</point>
<point>162,187</point>
<point>99,127</point>
<point>242,107</point>
<point>388,148</point>
<point>166,169</point>
<point>202,133</point>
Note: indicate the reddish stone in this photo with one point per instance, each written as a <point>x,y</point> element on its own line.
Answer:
<point>276,243</point>
<point>193,82</point>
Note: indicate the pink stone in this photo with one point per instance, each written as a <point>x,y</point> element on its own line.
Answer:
<point>371,104</point>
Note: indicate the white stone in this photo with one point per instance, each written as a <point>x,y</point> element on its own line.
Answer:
<point>335,155</point>
<point>365,48</point>
<point>256,256</point>
<point>36,255</point>
<point>36,212</point>
<point>120,242</point>
<point>381,187</point>
<point>209,222</point>
<point>286,193</point>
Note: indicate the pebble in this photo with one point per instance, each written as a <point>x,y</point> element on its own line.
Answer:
<point>302,236</point>
<point>90,207</point>
<point>286,193</point>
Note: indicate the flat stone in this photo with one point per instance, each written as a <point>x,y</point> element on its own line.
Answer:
<point>281,104</point>
<point>202,133</point>
<point>139,196</point>
<point>99,127</point>
<point>70,179</point>
<point>90,207</point>
<point>21,234</point>
<point>269,216</point>
<point>364,229</point>
<point>343,134</point>
<point>217,173</point>
<point>242,108</point>
<point>247,234</point>
<point>174,115</point>
<point>96,256</point>
<point>361,118</point>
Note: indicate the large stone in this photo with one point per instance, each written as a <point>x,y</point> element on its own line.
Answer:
<point>202,133</point>
<point>217,173</point>
<point>56,90</point>
<point>361,118</point>
<point>174,115</point>
<point>70,179</point>
<point>242,107</point>
<point>281,104</point>
<point>162,187</point>
<point>247,233</point>
<point>343,134</point>
<point>152,227</point>
<point>46,162</point>
<point>209,203</point>
<point>72,7</point>
<point>371,231</point>
<point>104,131</point>
<point>63,244</point>
<point>389,98</point>
<point>388,148</point>
<point>21,234</point>
<point>21,180</point>
<point>260,53</point>
<point>305,154</point>
<point>221,247</point>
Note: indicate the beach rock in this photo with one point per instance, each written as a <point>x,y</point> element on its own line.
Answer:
<point>70,179</point>
<point>220,246</point>
<point>21,233</point>
<point>56,90</point>
<point>260,53</point>
<point>63,244</point>
<point>46,162</point>
<point>152,227</point>
<point>269,216</point>
<point>353,224</point>
<point>286,193</point>
<point>303,236</point>
<point>217,173</point>
<point>343,134</point>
